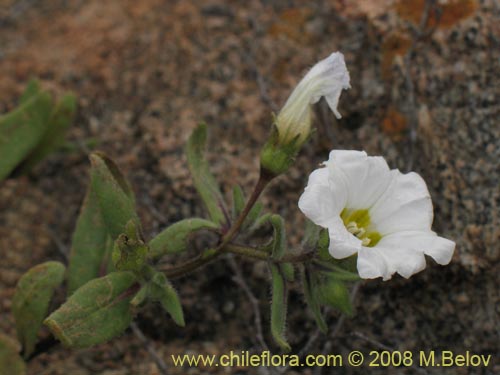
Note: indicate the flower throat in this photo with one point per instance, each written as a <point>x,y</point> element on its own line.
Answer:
<point>358,222</point>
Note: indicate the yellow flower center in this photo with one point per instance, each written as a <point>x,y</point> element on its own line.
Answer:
<point>358,223</point>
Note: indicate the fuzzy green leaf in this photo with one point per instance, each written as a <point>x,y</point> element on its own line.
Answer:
<point>309,285</point>
<point>11,362</point>
<point>279,237</point>
<point>96,312</point>
<point>238,201</point>
<point>32,89</point>
<point>261,221</point>
<point>279,307</point>
<point>89,244</point>
<point>311,235</point>
<point>21,130</point>
<point>53,138</point>
<point>174,239</point>
<point>161,291</point>
<point>204,181</point>
<point>31,301</point>
<point>334,293</point>
<point>114,194</point>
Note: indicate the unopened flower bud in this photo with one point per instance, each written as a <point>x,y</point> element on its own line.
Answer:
<point>292,126</point>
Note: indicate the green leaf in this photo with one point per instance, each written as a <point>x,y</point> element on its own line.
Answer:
<point>337,272</point>
<point>130,252</point>
<point>238,201</point>
<point>334,293</point>
<point>161,291</point>
<point>311,235</point>
<point>89,244</point>
<point>95,313</point>
<point>203,180</point>
<point>21,130</point>
<point>309,285</point>
<point>114,194</point>
<point>253,215</point>
<point>53,138</point>
<point>31,300</point>
<point>261,221</point>
<point>174,239</point>
<point>32,89</point>
<point>278,307</point>
<point>279,237</point>
<point>11,362</point>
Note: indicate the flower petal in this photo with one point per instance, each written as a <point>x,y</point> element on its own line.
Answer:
<point>342,243</point>
<point>439,248</point>
<point>321,201</point>
<point>405,205</point>
<point>365,178</point>
<point>371,264</point>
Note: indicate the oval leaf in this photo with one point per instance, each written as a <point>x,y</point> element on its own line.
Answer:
<point>10,361</point>
<point>53,138</point>
<point>160,290</point>
<point>31,301</point>
<point>174,238</point>
<point>21,130</point>
<point>95,313</point>
<point>115,195</point>
<point>278,307</point>
<point>88,245</point>
<point>204,181</point>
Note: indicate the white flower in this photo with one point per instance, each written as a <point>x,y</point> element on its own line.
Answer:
<point>382,215</point>
<point>326,79</point>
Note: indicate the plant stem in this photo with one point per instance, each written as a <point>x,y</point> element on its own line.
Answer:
<point>185,268</point>
<point>264,179</point>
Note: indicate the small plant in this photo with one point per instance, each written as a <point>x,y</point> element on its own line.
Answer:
<point>34,129</point>
<point>366,221</point>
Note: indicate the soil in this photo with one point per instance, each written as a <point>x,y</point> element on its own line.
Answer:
<point>147,72</point>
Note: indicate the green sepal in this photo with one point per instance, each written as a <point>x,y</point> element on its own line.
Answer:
<point>11,362</point>
<point>30,303</point>
<point>278,249</point>
<point>22,129</point>
<point>130,252</point>
<point>53,138</point>
<point>114,194</point>
<point>96,312</point>
<point>275,157</point>
<point>162,291</point>
<point>311,235</point>
<point>336,271</point>
<point>322,245</point>
<point>278,307</point>
<point>174,239</point>
<point>89,245</point>
<point>309,286</point>
<point>333,292</point>
<point>204,181</point>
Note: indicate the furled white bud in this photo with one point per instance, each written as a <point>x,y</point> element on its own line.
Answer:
<point>326,79</point>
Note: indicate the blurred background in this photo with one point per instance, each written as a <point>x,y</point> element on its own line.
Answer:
<point>425,90</point>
